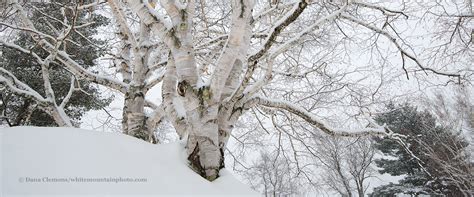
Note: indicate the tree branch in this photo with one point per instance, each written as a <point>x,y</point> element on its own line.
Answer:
<point>296,11</point>
<point>69,93</point>
<point>243,93</point>
<point>320,124</point>
<point>64,58</point>
<point>19,87</point>
<point>394,41</point>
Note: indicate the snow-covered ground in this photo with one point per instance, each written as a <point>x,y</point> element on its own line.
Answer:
<point>74,162</point>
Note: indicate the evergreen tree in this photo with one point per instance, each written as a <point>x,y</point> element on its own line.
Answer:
<point>19,110</point>
<point>438,147</point>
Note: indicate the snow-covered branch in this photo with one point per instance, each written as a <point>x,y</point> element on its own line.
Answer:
<point>279,26</point>
<point>149,85</point>
<point>90,5</point>
<point>244,93</point>
<point>78,70</point>
<point>273,53</point>
<point>154,19</point>
<point>48,90</point>
<point>21,49</point>
<point>320,124</point>
<point>384,10</point>
<point>274,31</point>
<point>72,88</point>
<point>18,86</point>
<point>47,104</point>
<point>373,130</point>
<point>64,58</point>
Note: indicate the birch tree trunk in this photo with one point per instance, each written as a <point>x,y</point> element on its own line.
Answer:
<point>240,47</point>
<point>134,115</point>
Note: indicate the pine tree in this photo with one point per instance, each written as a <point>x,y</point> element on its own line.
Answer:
<point>436,146</point>
<point>18,110</point>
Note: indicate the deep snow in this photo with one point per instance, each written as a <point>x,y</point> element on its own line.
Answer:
<point>75,162</point>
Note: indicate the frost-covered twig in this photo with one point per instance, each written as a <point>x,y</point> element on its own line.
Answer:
<point>320,124</point>
<point>273,53</point>
<point>384,10</point>
<point>403,52</point>
<point>273,33</point>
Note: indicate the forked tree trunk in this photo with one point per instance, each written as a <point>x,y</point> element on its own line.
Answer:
<point>198,114</point>
<point>202,147</point>
<point>134,118</point>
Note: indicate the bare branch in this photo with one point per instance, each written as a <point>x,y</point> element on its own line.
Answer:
<point>403,51</point>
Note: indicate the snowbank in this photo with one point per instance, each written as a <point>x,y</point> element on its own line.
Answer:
<point>76,162</point>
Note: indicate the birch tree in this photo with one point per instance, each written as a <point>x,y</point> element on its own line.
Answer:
<point>216,60</point>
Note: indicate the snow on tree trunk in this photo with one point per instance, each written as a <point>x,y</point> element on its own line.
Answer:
<point>202,106</point>
<point>202,145</point>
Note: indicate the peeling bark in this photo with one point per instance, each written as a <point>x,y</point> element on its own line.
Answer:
<point>134,116</point>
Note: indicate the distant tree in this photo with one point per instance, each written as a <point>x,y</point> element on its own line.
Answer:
<point>18,109</point>
<point>346,164</point>
<point>273,175</point>
<point>445,169</point>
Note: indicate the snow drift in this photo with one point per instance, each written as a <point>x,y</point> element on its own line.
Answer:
<point>68,161</point>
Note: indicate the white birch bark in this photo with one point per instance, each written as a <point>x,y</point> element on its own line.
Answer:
<point>203,108</point>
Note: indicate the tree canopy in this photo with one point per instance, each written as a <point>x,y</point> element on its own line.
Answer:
<point>300,67</point>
